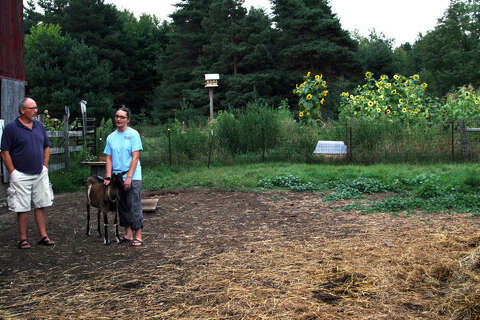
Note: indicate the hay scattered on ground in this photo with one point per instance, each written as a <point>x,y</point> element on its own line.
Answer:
<point>228,255</point>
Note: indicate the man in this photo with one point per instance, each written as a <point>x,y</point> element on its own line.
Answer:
<point>25,153</point>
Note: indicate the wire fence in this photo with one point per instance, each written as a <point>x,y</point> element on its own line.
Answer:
<point>367,143</point>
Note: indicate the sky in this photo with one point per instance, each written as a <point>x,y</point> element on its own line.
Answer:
<point>401,20</point>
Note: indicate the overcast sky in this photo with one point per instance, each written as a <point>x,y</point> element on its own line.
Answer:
<point>401,20</point>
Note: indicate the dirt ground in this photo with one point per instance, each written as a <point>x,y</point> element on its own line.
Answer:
<point>239,255</point>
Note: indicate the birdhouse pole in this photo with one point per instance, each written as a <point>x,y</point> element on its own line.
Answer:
<point>211,81</point>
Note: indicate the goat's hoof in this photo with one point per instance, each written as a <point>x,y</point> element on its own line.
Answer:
<point>106,242</point>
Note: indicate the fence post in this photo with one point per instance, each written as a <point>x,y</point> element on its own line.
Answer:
<point>66,137</point>
<point>350,143</point>
<point>210,148</point>
<point>83,109</point>
<point>263,145</point>
<point>169,149</point>
<point>463,136</point>
<point>453,140</point>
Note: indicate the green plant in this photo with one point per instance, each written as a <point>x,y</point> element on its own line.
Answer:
<point>289,181</point>
<point>400,99</point>
<point>463,103</point>
<point>103,130</point>
<point>312,93</point>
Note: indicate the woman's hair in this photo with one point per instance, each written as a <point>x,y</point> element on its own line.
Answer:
<point>125,109</point>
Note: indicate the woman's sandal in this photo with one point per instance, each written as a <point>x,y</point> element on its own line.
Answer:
<point>123,240</point>
<point>45,241</point>
<point>137,243</point>
<point>23,244</point>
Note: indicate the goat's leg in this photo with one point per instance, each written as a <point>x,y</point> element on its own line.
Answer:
<point>98,223</point>
<point>88,219</point>
<point>117,235</point>
<point>106,241</point>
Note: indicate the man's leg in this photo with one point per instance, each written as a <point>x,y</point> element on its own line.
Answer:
<point>22,219</point>
<point>41,219</point>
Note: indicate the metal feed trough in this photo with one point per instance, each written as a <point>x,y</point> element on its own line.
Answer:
<point>330,149</point>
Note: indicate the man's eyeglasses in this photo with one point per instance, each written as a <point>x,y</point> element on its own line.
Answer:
<point>30,108</point>
<point>120,117</point>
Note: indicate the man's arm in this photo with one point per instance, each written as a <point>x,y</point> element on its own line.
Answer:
<point>46,156</point>
<point>7,160</point>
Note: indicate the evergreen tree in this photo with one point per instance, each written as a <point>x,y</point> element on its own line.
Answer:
<point>310,38</point>
<point>375,54</point>
<point>448,55</point>
<point>184,49</point>
<point>62,71</point>
<point>149,42</point>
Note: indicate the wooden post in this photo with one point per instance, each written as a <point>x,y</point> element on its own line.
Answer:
<point>210,94</point>
<point>169,149</point>
<point>83,108</point>
<point>210,148</point>
<point>66,137</point>
<point>350,144</point>
<point>453,140</point>
<point>463,136</point>
<point>263,145</point>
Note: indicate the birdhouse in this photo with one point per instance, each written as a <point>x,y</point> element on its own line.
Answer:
<point>211,80</point>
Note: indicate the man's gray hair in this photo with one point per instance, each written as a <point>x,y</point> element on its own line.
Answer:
<point>22,105</point>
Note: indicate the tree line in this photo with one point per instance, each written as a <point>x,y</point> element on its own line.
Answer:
<point>90,50</point>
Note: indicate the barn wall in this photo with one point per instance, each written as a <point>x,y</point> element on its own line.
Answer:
<point>12,64</point>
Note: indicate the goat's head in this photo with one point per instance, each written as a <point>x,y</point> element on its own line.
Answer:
<point>116,183</point>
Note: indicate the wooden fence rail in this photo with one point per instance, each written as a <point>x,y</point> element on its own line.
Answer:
<point>67,149</point>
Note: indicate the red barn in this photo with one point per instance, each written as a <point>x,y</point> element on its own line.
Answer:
<point>12,67</point>
<point>12,63</point>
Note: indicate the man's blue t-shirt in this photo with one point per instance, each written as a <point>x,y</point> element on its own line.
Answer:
<point>120,146</point>
<point>25,145</point>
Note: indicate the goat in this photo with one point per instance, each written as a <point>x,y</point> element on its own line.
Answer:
<point>105,199</point>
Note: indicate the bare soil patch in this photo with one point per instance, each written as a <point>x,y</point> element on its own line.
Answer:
<point>212,254</point>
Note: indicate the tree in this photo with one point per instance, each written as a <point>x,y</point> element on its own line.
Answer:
<point>448,55</point>
<point>375,53</point>
<point>149,44</point>
<point>186,39</point>
<point>310,39</point>
<point>62,71</point>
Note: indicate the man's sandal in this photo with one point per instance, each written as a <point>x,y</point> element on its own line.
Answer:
<point>23,244</point>
<point>45,241</point>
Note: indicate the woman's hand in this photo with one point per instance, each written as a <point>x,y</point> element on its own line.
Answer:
<point>127,183</point>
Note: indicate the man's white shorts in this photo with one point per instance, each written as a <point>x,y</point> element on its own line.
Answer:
<point>27,189</point>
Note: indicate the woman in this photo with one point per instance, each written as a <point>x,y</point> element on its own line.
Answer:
<point>123,155</point>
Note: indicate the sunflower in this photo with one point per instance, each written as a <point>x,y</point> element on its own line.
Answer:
<point>300,114</point>
<point>309,96</point>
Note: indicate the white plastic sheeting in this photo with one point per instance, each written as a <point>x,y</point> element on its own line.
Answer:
<point>330,147</point>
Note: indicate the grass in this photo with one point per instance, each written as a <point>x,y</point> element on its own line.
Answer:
<point>431,188</point>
